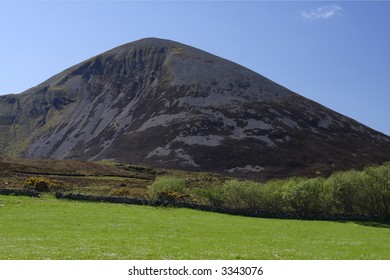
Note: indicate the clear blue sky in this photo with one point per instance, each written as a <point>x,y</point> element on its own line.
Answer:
<point>334,52</point>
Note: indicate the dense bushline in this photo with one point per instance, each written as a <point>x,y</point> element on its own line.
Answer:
<point>349,195</point>
<point>242,212</point>
<point>360,193</point>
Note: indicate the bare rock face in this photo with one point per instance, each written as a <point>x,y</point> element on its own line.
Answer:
<point>162,103</point>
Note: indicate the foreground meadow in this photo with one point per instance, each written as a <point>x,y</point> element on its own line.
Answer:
<point>46,228</point>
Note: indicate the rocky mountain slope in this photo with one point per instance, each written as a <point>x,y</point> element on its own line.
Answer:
<point>162,103</point>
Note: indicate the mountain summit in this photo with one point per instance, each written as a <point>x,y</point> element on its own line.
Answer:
<point>162,103</point>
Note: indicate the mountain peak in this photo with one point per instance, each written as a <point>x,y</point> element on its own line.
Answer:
<point>154,41</point>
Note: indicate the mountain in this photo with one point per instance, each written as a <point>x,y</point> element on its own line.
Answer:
<point>162,103</point>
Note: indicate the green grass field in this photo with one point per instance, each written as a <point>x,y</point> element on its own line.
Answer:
<point>46,228</point>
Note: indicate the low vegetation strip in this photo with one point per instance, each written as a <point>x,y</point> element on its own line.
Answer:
<point>351,194</point>
<point>49,228</point>
<point>241,211</point>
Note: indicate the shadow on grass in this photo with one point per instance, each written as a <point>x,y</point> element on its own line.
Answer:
<point>367,223</point>
<point>374,224</point>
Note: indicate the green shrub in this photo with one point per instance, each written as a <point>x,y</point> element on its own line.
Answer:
<point>237,194</point>
<point>272,196</point>
<point>253,195</point>
<point>346,189</point>
<point>163,185</point>
<point>215,196</point>
<point>306,196</point>
<point>234,192</point>
<point>377,191</point>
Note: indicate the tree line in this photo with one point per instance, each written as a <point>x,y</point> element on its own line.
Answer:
<point>361,193</point>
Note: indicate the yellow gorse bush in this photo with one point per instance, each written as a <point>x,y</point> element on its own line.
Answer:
<point>42,184</point>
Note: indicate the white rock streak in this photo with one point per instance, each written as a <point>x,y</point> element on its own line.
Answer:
<point>246,169</point>
<point>209,140</point>
<point>162,120</point>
